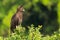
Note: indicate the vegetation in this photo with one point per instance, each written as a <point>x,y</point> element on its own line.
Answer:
<point>32,34</point>
<point>37,12</point>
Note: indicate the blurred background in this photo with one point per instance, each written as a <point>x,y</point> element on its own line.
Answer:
<point>37,12</point>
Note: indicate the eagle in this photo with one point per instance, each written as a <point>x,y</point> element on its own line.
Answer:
<point>17,18</point>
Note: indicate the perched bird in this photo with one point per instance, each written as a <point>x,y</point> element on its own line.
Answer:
<point>17,18</point>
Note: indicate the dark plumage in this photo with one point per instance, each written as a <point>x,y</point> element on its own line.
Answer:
<point>17,18</point>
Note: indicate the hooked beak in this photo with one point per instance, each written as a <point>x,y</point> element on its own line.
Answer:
<point>23,10</point>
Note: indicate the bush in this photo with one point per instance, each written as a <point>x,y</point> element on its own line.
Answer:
<point>31,34</point>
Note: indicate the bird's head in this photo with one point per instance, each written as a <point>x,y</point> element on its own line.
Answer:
<point>21,8</point>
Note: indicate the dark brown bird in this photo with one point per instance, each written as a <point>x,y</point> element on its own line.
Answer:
<point>17,18</point>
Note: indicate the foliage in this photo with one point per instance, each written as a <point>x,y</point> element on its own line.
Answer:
<point>31,34</point>
<point>41,12</point>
